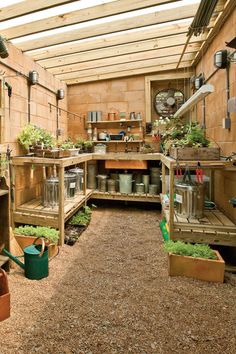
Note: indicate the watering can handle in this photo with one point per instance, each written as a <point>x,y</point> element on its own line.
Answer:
<point>43,245</point>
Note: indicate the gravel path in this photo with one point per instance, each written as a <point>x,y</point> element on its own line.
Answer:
<point>110,293</point>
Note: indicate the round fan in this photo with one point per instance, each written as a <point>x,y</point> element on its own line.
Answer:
<point>168,101</point>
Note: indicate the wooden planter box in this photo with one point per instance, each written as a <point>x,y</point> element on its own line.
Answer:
<point>25,241</point>
<point>192,154</point>
<point>4,296</point>
<point>197,268</point>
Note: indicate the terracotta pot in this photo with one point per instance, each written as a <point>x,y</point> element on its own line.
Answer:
<point>112,116</point>
<point>197,268</point>
<point>25,241</point>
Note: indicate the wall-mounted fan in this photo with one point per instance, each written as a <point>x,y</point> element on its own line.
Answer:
<point>168,101</point>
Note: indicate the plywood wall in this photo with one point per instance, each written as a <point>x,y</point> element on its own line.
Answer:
<point>216,103</point>
<point>15,113</point>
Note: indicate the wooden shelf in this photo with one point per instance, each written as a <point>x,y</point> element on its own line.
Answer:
<point>33,212</point>
<point>214,228</point>
<point>114,122</point>
<point>150,198</point>
<point>117,141</point>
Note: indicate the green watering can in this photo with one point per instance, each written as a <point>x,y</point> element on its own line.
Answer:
<point>35,260</point>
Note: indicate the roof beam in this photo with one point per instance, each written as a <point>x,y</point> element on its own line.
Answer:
<point>108,41</point>
<point>122,67</point>
<point>83,15</point>
<point>138,47</point>
<point>111,27</point>
<point>132,72</point>
<point>28,7</point>
<point>153,54</point>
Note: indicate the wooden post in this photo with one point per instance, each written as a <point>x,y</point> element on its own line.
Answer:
<point>61,216</point>
<point>85,181</point>
<point>171,202</point>
<point>163,178</point>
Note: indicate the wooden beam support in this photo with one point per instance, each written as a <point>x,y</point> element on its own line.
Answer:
<point>143,58</point>
<point>131,72</point>
<point>163,16</point>
<point>28,7</point>
<point>154,32</point>
<point>82,15</point>
<point>123,67</point>
<point>155,47</point>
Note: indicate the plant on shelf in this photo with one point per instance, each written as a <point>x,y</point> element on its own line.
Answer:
<point>80,143</point>
<point>50,234</point>
<point>67,144</point>
<point>29,136</point>
<point>188,249</point>
<point>46,140</point>
<point>88,145</point>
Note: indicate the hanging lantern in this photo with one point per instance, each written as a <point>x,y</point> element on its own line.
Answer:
<point>60,94</point>
<point>221,59</point>
<point>33,77</point>
<point>3,48</point>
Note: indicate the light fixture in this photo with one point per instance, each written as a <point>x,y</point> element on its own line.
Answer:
<point>3,48</point>
<point>221,59</point>
<point>199,80</point>
<point>204,91</point>
<point>60,94</point>
<point>33,77</point>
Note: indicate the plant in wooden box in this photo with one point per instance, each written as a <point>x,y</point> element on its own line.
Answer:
<point>26,235</point>
<point>88,146</point>
<point>29,136</point>
<point>69,148</point>
<point>194,261</point>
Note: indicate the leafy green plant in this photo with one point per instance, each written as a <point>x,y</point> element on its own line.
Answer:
<point>50,234</point>
<point>187,249</point>
<point>88,144</point>
<point>29,136</point>
<point>82,217</point>
<point>79,143</point>
<point>46,139</point>
<point>67,144</point>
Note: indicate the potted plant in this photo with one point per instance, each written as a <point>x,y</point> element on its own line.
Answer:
<point>68,146</point>
<point>88,146</point>
<point>25,236</point>
<point>29,136</point>
<point>80,144</point>
<point>197,261</point>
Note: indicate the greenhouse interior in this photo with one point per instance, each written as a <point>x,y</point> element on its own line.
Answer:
<point>118,176</point>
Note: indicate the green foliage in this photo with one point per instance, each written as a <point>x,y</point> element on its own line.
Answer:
<point>32,135</point>
<point>29,136</point>
<point>38,231</point>
<point>187,249</point>
<point>82,217</point>
<point>79,143</point>
<point>67,144</point>
<point>88,144</point>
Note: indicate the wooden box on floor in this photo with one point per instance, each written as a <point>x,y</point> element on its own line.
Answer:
<point>4,296</point>
<point>197,268</point>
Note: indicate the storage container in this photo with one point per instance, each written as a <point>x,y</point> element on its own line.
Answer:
<point>51,192</point>
<point>100,148</point>
<point>91,177</point>
<point>79,172</point>
<point>102,183</point>
<point>190,199</point>
<point>125,182</point>
<point>70,184</point>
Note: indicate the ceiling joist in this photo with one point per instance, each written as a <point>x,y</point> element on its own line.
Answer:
<point>123,67</point>
<point>109,41</point>
<point>28,7</point>
<point>83,15</point>
<point>134,57</point>
<point>132,72</point>
<point>111,27</point>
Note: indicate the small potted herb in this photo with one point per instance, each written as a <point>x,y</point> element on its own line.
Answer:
<point>68,146</point>
<point>25,236</point>
<point>197,261</point>
<point>88,146</point>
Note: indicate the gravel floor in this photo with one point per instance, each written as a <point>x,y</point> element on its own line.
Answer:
<point>110,293</point>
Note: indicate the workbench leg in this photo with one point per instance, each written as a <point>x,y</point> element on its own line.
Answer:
<point>171,203</point>
<point>61,214</point>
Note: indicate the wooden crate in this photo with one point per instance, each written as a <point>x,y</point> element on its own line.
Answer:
<point>198,154</point>
<point>126,164</point>
<point>197,268</point>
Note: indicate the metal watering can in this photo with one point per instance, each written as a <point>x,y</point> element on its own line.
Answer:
<point>35,260</point>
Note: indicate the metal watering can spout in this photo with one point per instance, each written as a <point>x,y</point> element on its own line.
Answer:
<point>14,258</point>
<point>35,260</point>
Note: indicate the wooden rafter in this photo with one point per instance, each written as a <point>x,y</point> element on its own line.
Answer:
<point>153,45</point>
<point>109,41</point>
<point>105,28</point>
<point>128,58</point>
<point>123,67</point>
<point>83,15</point>
<point>126,73</point>
<point>28,7</point>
